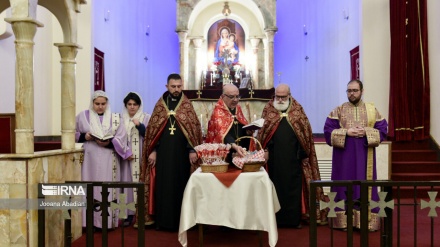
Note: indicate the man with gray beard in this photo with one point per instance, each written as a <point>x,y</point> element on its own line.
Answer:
<point>287,139</point>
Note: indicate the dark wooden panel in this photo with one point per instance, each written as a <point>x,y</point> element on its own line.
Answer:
<point>7,136</point>
<point>214,94</point>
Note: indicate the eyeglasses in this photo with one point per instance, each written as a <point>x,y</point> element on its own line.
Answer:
<point>352,90</point>
<point>233,96</point>
<point>278,97</point>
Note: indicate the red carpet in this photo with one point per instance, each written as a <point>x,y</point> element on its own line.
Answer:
<point>214,236</point>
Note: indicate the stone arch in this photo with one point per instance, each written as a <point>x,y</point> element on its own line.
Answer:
<point>24,24</point>
<point>257,17</point>
<point>65,12</point>
<point>263,10</point>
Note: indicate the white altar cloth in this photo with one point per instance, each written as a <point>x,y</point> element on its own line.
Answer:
<point>250,203</point>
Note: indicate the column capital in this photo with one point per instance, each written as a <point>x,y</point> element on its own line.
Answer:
<point>254,42</point>
<point>182,35</point>
<point>270,34</point>
<point>24,28</point>
<point>197,41</point>
<point>72,45</point>
<point>12,20</point>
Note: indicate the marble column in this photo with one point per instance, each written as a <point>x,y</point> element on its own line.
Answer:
<point>198,63</point>
<point>266,62</point>
<point>24,30</point>
<point>254,67</point>
<point>270,34</point>
<point>68,52</point>
<point>183,56</point>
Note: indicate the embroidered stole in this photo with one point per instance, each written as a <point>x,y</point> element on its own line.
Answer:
<point>135,143</point>
<point>115,125</point>
<point>371,115</point>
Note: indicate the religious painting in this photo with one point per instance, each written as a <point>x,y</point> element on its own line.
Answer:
<point>99,83</point>
<point>354,60</point>
<point>226,44</point>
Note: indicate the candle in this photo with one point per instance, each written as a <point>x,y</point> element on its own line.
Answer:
<point>201,120</point>
<point>201,83</point>
<point>255,117</point>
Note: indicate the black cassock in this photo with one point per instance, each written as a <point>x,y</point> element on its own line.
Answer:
<point>172,174</point>
<point>284,165</point>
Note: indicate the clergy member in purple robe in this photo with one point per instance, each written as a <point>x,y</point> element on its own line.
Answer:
<point>135,122</point>
<point>104,140</point>
<point>355,129</point>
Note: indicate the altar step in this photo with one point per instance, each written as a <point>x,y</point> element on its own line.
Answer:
<point>415,161</point>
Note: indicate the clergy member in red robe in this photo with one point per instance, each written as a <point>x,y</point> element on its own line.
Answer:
<point>227,121</point>
<point>168,157</point>
<point>287,139</point>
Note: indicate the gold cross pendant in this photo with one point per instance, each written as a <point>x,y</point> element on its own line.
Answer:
<point>172,129</point>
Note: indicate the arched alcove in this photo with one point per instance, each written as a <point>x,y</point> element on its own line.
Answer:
<point>194,18</point>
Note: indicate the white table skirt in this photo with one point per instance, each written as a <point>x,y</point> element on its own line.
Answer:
<point>250,203</point>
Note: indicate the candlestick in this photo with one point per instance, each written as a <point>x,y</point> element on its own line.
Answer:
<point>250,81</point>
<point>202,79</point>
<point>211,78</point>
<point>201,120</point>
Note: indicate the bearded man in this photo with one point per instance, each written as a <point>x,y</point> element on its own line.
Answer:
<point>287,139</point>
<point>354,129</point>
<point>168,156</point>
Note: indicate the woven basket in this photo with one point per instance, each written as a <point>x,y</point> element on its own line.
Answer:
<point>214,168</point>
<point>252,166</point>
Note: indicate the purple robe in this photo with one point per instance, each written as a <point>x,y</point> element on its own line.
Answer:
<point>98,162</point>
<point>126,164</point>
<point>349,161</point>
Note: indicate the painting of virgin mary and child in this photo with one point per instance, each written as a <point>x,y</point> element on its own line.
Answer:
<point>226,47</point>
<point>226,41</point>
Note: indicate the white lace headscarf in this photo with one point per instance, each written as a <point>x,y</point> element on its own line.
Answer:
<point>129,125</point>
<point>96,126</point>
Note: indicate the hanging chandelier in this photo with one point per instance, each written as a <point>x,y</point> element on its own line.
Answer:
<point>226,10</point>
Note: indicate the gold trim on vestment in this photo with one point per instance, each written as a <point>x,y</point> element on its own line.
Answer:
<point>371,115</point>
<point>340,221</point>
<point>373,220</point>
<point>338,137</point>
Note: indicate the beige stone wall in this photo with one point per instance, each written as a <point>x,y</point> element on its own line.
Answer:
<point>19,179</point>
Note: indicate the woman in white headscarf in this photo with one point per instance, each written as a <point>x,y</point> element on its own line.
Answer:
<point>135,121</point>
<point>104,139</point>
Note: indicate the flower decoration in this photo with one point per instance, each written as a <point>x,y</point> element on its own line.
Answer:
<point>236,66</point>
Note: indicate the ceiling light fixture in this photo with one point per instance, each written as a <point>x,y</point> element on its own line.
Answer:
<point>226,10</point>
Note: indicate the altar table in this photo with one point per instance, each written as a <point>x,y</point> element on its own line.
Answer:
<point>250,203</point>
